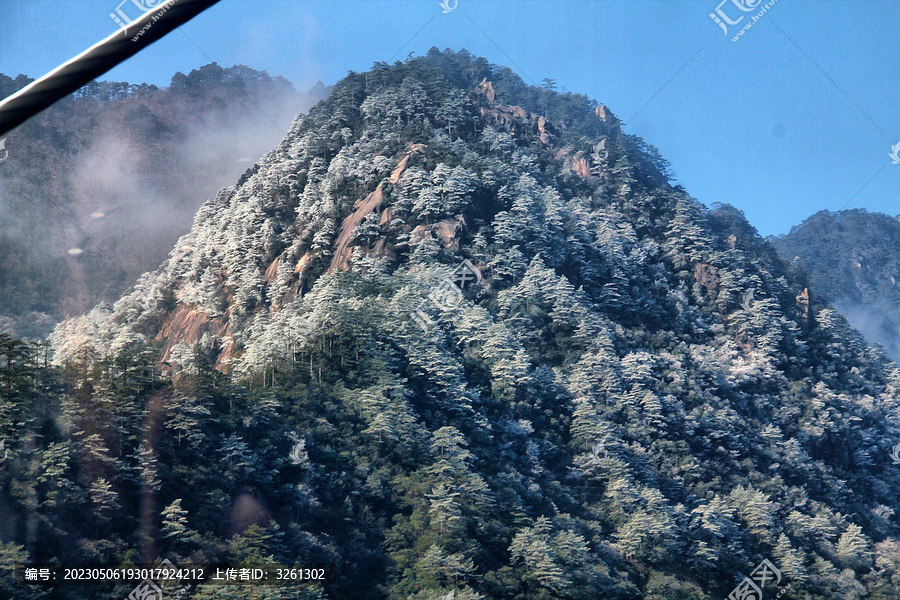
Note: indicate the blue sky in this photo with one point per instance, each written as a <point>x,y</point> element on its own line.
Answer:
<point>797,116</point>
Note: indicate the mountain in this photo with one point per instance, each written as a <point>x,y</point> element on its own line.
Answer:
<point>853,263</point>
<point>95,190</point>
<point>461,337</point>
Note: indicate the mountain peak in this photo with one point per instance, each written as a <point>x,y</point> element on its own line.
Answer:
<point>561,370</point>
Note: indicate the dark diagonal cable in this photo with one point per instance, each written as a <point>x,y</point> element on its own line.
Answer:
<point>97,60</point>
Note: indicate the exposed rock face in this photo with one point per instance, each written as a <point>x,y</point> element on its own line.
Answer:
<point>607,117</point>
<point>705,274</point>
<point>803,305</point>
<point>544,131</point>
<point>303,263</point>
<point>514,119</point>
<point>446,232</point>
<point>187,326</point>
<point>582,166</point>
<point>487,89</point>
<point>372,202</point>
<point>272,271</point>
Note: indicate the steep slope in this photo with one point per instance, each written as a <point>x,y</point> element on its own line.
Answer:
<point>853,262</point>
<point>115,173</point>
<point>592,406</point>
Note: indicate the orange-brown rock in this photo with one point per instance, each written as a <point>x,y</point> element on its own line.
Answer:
<point>487,89</point>
<point>421,232</point>
<point>803,305</point>
<point>520,112</point>
<point>544,134</point>
<point>341,258</point>
<point>362,207</point>
<point>514,119</point>
<point>293,286</point>
<point>272,271</point>
<point>705,274</point>
<point>401,166</point>
<point>186,326</point>
<point>448,232</point>
<point>581,166</point>
<point>395,175</point>
<point>303,263</point>
<point>610,119</point>
<point>495,115</point>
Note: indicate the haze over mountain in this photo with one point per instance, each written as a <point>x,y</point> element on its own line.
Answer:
<point>96,190</point>
<point>853,261</point>
<point>463,338</point>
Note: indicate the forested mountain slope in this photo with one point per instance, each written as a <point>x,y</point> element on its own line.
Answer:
<point>114,173</point>
<point>593,406</point>
<point>853,261</point>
